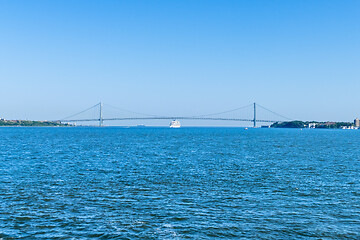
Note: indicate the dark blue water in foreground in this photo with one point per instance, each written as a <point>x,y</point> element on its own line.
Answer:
<point>160,183</point>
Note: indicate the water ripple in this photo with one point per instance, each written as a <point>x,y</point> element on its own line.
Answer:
<point>159,183</point>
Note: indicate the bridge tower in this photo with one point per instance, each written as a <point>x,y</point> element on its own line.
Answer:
<point>101,115</point>
<point>254,115</point>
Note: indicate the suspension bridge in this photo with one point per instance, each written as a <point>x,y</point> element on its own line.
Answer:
<point>234,115</point>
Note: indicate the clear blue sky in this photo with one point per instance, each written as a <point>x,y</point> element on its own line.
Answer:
<point>298,58</point>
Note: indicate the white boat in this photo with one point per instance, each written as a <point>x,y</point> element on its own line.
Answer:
<point>175,124</point>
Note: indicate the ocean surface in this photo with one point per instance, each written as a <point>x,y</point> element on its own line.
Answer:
<point>187,183</point>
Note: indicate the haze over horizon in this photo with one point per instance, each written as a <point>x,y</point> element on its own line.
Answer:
<point>298,58</point>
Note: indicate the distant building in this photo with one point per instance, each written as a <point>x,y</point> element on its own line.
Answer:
<point>312,125</point>
<point>348,127</point>
<point>357,122</point>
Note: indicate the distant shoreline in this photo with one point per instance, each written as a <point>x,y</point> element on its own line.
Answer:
<point>314,124</point>
<point>289,124</point>
<point>30,123</point>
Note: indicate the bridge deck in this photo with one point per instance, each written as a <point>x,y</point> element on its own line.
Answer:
<point>168,118</point>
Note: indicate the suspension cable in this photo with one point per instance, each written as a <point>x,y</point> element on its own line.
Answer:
<point>80,112</point>
<point>212,114</point>
<point>124,110</point>
<point>274,112</point>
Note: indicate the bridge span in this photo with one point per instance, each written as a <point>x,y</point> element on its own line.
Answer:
<point>211,117</point>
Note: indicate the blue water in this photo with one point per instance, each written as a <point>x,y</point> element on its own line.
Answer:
<point>196,183</point>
